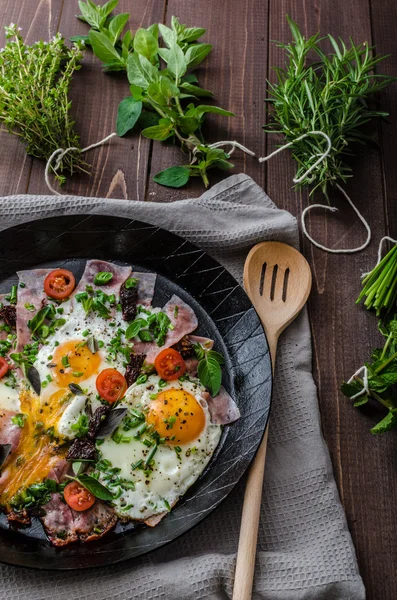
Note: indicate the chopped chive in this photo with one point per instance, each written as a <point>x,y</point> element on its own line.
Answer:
<point>86,332</point>
<point>151,456</point>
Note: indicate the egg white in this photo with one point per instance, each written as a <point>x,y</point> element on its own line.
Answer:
<point>172,473</point>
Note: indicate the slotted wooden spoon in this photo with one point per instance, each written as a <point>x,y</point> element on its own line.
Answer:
<point>277,279</point>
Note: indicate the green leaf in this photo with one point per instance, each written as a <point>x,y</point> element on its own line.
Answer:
<point>154,30</point>
<point>351,389</point>
<point>148,119</point>
<point>388,423</point>
<point>361,401</point>
<point>159,132</point>
<point>117,25</point>
<point>190,78</point>
<point>200,110</point>
<point>78,467</point>
<point>164,53</point>
<point>115,65</point>
<point>167,34</point>
<point>197,91</point>
<point>127,40</point>
<point>90,15</point>
<point>174,177</point>
<point>191,34</point>
<point>80,38</point>
<point>177,62</point>
<point>149,72</point>
<point>103,47</point>
<point>196,54</point>
<point>95,487</point>
<point>188,124</point>
<point>127,115</point>
<point>216,356</point>
<point>145,44</point>
<point>167,88</point>
<point>134,71</point>
<point>136,92</point>
<point>155,94</point>
<point>210,374</point>
<point>134,328</point>
<point>108,7</point>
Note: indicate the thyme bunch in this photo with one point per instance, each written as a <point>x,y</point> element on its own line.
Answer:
<point>316,91</point>
<point>165,96</point>
<point>34,104</point>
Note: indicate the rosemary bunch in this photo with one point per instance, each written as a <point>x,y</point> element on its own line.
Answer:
<point>316,91</point>
<point>165,96</point>
<point>34,104</point>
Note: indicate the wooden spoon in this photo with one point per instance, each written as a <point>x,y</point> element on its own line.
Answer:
<point>277,279</point>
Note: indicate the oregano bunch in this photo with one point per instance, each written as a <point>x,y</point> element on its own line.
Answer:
<point>34,103</point>
<point>165,96</point>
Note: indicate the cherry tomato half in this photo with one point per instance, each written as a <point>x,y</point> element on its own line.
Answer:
<point>4,366</point>
<point>78,497</point>
<point>59,284</point>
<point>169,364</point>
<point>111,385</point>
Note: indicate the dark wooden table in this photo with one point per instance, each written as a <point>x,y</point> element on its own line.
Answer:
<point>237,69</point>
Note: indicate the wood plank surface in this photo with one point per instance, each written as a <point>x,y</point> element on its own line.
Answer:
<point>236,70</point>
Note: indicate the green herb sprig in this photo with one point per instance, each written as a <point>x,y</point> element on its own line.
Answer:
<point>161,81</point>
<point>316,91</point>
<point>380,285</point>
<point>382,379</point>
<point>209,368</point>
<point>34,103</point>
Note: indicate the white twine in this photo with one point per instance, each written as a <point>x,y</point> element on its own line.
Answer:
<point>386,238</point>
<point>60,153</point>
<point>365,389</point>
<point>323,206</point>
<point>233,145</point>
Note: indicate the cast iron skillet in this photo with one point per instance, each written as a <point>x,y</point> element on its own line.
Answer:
<point>225,314</point>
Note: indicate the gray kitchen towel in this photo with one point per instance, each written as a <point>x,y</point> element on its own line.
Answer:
<point>305,551</point>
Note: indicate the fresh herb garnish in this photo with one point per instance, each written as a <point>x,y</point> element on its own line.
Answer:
<point>19,420</point>
<point>161,81</point>
<point>80,428</point>
<point>382,379</point>
<point>35,495</point>
<point>131,282</point>
<point>103,277</point>
<point>96,488</point>
<point>12,296</point>
<point>328,94</point>
<point>380,285</point>
<point>209,368</point>
<point>34,103</point>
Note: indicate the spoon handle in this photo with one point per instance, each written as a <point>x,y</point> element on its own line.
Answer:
<point>245,566</point>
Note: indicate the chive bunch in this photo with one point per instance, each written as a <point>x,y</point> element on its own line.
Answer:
<point>380,285</point>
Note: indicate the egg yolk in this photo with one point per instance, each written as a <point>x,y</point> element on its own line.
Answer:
<point>177,416</point>
<point>74,363</point>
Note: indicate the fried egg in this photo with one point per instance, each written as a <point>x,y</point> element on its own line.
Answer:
<point>160,449</point>
<point>66,358</point>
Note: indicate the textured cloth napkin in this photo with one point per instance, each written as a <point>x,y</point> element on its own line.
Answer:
<point>305,551</point>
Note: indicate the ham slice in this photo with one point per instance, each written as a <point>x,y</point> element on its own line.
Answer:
<point>33,293</point>
<point>184,322</point>
<point>64,525</point>
<point>93,267</point>
<point>146,286</point>
<point>223,409</point>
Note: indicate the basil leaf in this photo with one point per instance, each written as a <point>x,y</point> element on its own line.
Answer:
<point>111,422</point>
<point>196,54</point>
<point>95,487</point>
<point>117,24</point>
<point>191,34</point>
<point>197,91</point>
<point>92,344</point>
<point>176,61</point>
<point>134,71</point>
<point>103,47</point>
<point>216,356</point>
<point>145,44</point>
<point>76,389</point>
<point>134,328</point>
<point>174,177</point>
<point>210,374</point>
<point>5,450</point>
<point>127,115</point>
<point>200,110</point>
<point>47,312</point>
<point>159,132</point>
<point>78,467</point>
<point>168,35</point>
<point>34,379</point>
<point>103,277</point>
